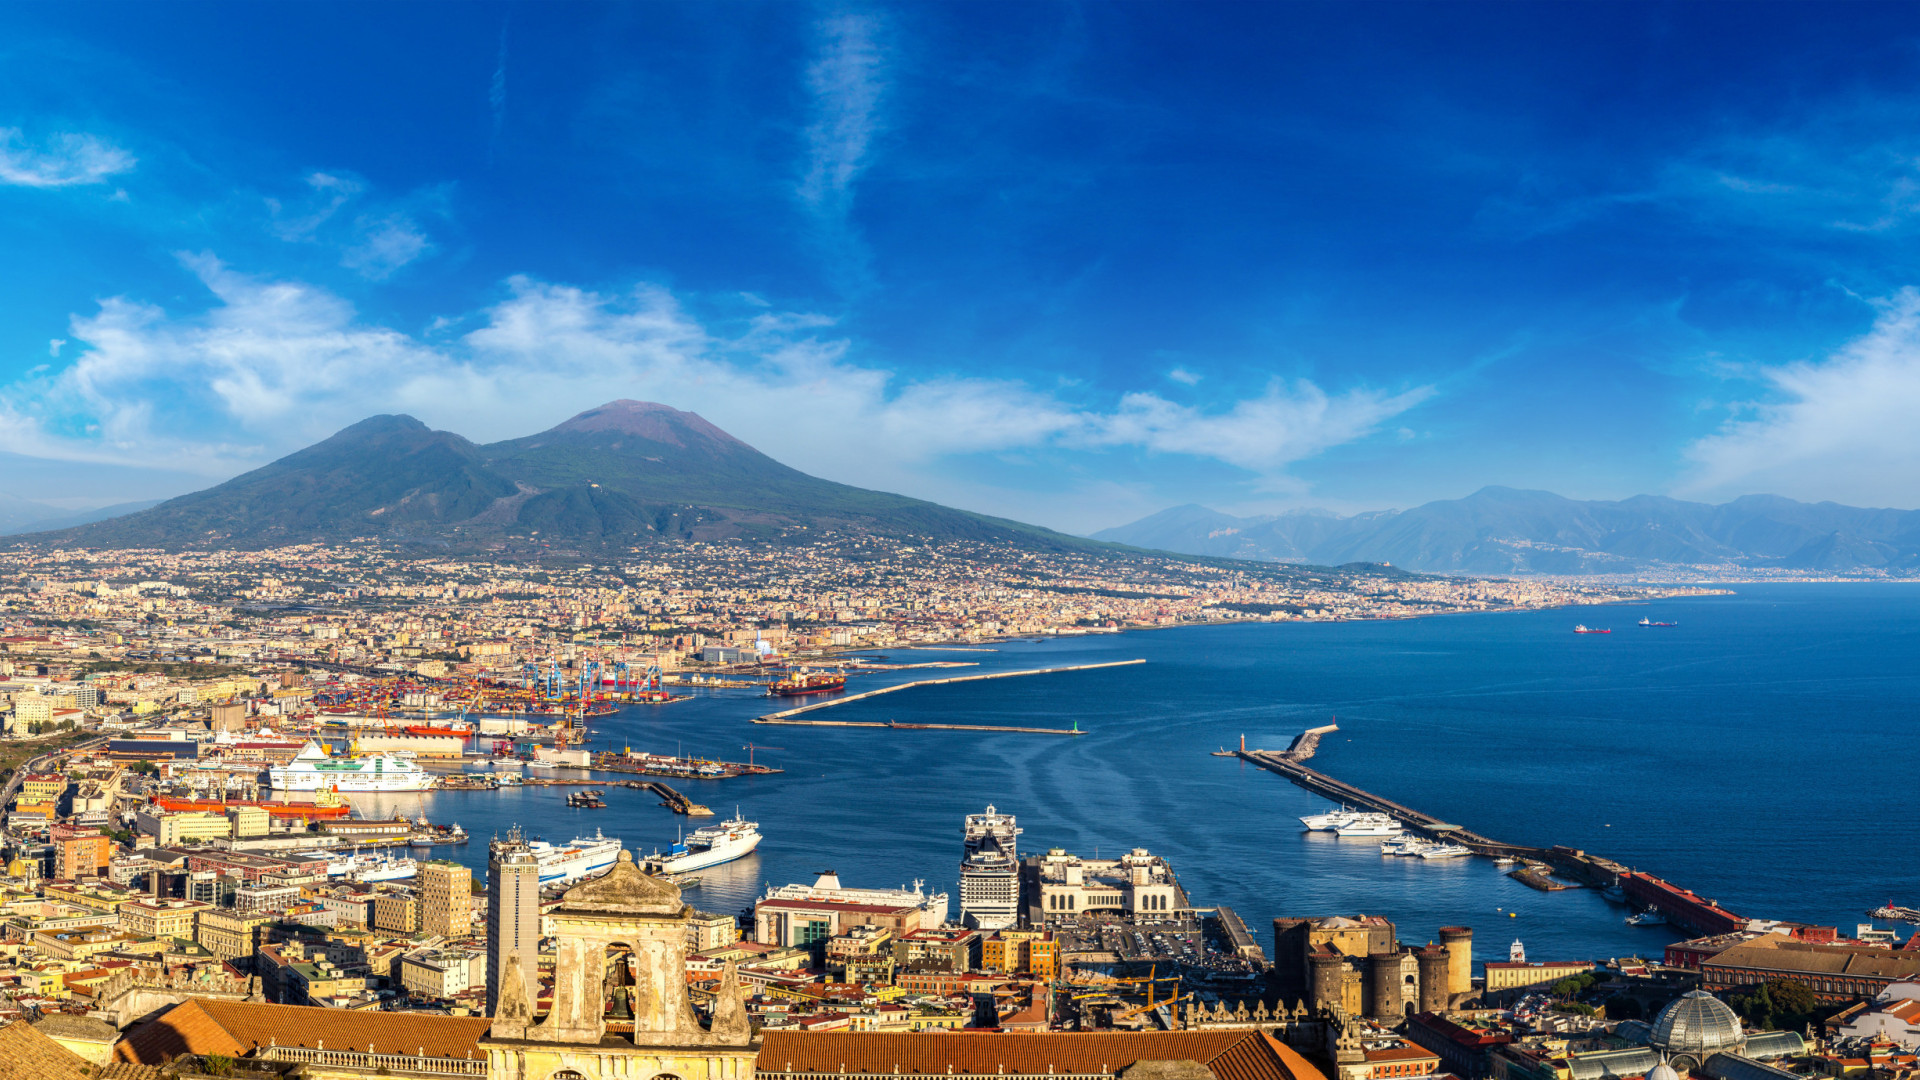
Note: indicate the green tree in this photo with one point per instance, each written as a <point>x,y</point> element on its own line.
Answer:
<point>1791,998</point>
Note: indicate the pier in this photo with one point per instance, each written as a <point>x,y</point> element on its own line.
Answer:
<point>1682,907</point>
<point>1075,730</point>
<point>785,715</point>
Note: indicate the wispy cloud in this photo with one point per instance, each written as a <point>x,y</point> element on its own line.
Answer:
<point>847,81</point>
<point>1840,428</point>
<point>275,364</point>
<point>497,94</point>
<point>62,161</point>
<point>374,244</point>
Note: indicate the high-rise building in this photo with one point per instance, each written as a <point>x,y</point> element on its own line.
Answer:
<point>446,898</point>
<point>990,871</point>
<point>513,914</point>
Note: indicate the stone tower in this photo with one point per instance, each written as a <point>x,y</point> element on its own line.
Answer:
<point>1433,979</point>
<point>1458,941</point>
<point>622,932</point>
<point>1384,995</point>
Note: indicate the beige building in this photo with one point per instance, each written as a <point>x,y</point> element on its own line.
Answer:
<point>709,931</point>
<point>513,914</point>
<point>396,913</point>
<point>162,918</point>
<point>170,829</point>
<point>247,822</point>
<point>228,934</point>
<point>446,898</point>
<point>1506,976</point>
<point>443,973</point>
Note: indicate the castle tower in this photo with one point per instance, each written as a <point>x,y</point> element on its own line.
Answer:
<point>1458,941</point>
<point>1433,979</point>
<point>1328,979</point>
<point>621,933</point>
<point>1385,1001</point>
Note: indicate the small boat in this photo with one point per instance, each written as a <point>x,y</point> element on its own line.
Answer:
<point>1647,918</point>
<point>1582,629</point>
<point>539,764</point>
<point>1446,851</point>
<point>1650,622</point>
<point>1505,860</point>
<point>1405,845</point>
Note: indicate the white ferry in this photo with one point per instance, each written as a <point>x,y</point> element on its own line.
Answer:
<point>933,906</point>
<point>710,845</point>
<point>1446,851</point>
<point>314,770</point>
<point>372,866</point>
<point>1330,820</point>
<point>1369,825</point>
<point>582,858</point>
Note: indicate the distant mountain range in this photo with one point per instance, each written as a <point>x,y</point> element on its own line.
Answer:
<point>1500,530</point>
<point>621,474</point>
<point>18,515</point>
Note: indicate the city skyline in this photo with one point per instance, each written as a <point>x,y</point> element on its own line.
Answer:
<point>1070,266</point>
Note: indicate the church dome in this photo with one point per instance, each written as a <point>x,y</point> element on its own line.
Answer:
<point>1697,1024</point>
<point>1663,1071</point>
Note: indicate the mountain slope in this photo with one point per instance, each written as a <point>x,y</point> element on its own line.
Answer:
<point>1505,531</point>
<point>623,473</point>
<point>385,475</point>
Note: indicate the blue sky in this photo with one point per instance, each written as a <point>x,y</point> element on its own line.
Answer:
<point>1069,263</point>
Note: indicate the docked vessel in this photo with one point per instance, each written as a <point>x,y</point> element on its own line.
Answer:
<point>1405,845</point>
<point>803,682</point>
<point>1647,918</point>
<point>933,906</point>
<point>314,770</point>
<point>1369,825</point>
<point>371,866</point>
<point>710,845</point>
<point>1328,821</point>
<point>1446,851</point>
<point>1580,629</point>
<point>582,858</point>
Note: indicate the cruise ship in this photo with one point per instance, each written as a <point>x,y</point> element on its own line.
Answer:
<point>710,845</point>
<point>933,906</point>
<point>314,770</point>
<point>582,858</point>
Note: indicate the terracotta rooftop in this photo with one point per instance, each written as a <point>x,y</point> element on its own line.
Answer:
<point>28,1054</point>
<point>237,1028</point>
<point>1231,1055</point>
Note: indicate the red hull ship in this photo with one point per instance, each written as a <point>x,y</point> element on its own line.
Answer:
<point>312,811</point>
<point>808,682</point>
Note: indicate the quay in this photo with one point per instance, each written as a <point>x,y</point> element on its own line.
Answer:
<point>669,798</point>
<point>785,713</point>
<point>1682,907</point>
<point>1074,730</point>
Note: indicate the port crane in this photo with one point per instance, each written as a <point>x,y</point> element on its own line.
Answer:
<point>751,747</point>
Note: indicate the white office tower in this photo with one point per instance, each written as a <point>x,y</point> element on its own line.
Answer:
<point>513,913</point>
<point>990,872</point>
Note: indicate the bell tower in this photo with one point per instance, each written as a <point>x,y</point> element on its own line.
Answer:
<point>620,936</point>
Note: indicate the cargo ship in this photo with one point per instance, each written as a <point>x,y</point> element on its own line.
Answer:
<point>808,682</point>
<point>314,811</point>
<point>1578,629</point>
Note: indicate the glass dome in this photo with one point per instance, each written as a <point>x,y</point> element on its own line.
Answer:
<point>1697,1024</point>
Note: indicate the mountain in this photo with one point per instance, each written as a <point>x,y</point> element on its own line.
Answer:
<point>56,518</point>
<point>1500,530</point>
<point>622,473</point>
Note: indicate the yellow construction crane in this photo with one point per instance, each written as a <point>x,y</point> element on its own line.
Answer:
<point>1138,1009</point>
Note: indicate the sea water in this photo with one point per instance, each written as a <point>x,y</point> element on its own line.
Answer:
<point>1760,752</point>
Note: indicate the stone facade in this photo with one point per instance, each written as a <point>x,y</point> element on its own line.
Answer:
<point>622,942</point>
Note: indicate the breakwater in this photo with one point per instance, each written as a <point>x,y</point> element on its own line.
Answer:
<point>787,715</point>
<point>1682,907</point>
<point>1075,730</point>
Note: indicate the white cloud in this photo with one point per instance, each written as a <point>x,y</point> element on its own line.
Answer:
<point>373,244</point>
<point>62,161</point>
<point>847,81</point>
<point>1184,377</point>
<point>53,347</point>
<point>1841,428</point>
<point>276,365</point>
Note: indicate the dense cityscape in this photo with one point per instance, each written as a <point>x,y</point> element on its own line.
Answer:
<point>180,829</point>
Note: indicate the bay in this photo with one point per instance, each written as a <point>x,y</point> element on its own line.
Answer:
<point>1759,752</point>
